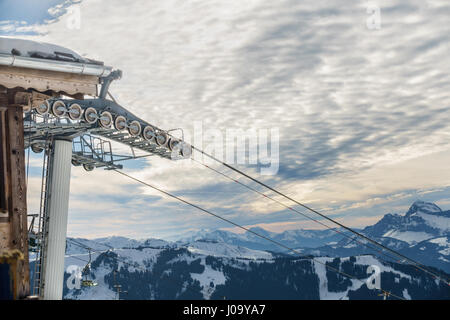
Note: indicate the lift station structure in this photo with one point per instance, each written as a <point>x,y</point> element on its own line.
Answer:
<point>59,101</point>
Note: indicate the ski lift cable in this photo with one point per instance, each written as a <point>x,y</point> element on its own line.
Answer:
<point>355,238</point>
<point>85,261</point>
<point>80,244</point>
<point>297,211</point>
<point>96,242</point>
<point>250,231</point>
<point>87,268</point>
<point>412,262</point>
<point>124,262</point>
<point>104,251</point>
<point>109,250</point>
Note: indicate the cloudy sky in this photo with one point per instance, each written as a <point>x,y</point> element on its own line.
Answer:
<point>359,92</point>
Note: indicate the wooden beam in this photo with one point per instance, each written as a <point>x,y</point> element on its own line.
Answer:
<point>42,80</point>
<point>3,202</point>
<point>13,223</point>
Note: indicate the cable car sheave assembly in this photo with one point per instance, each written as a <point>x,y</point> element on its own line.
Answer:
<point>71,118</point>
<point>51,84</point>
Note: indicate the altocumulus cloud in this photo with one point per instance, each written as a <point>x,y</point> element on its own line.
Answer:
<point>362,112</point>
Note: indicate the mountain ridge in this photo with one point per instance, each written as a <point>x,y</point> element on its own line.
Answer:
<point>413,234</point>
<point>214,268</point>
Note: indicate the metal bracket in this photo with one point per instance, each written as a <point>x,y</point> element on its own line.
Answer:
<point>116,74</point>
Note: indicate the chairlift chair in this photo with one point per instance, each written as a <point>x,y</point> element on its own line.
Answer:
<point>86,282</point>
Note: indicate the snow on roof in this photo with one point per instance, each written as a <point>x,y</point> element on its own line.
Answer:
<point>42,50</point>
<point>44,56</point>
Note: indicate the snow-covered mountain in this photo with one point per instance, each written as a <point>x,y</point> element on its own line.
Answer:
<point>212,270</point>
<point>220,264</point>
<point>421,222</point>
<point>220,249</point>
<point>291,238</point>
<point>80,245</point>
<point>421,234</point>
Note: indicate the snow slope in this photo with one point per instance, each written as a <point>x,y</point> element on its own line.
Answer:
<point>217,249</point>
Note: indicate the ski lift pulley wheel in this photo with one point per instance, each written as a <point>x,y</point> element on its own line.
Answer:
<point>43,108</point>
<point>148,133</point>
<point>88,167</point>
<point>75,111</point>
<point>36,148</point>
<point>186,150</point>
<point>106,119</point>
<point>90,115</point>
<point>134,128</point>
<point>75,163</point>
<point>59,109</point>
<point>161,138</point>
<point>120,123</point>
<point>173,143</point>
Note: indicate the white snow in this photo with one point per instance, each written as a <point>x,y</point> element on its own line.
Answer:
<point>438,222</point>
<point>442,242</point>
<point>227,250</point>
<point>426,206</point>
<point>406,294</point>
<point>25,46</point>
<point>321,272</point>
<point>80,259</point>
<point>209,275</point>
<point>132,259</point>
<point>111,242</point>
<point>320,269</point>
<point>117,242</point>
<point>140,258</point>
<point>410,237</point>
<point>99,292</point>
<point>157,243</point>
<point>370,260</point>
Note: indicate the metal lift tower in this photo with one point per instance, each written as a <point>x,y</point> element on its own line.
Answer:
<point>68,117</point>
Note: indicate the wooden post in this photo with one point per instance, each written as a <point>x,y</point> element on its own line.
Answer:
<point>13,207</point>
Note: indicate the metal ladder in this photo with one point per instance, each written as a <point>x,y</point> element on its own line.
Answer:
<point>41,226</point>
